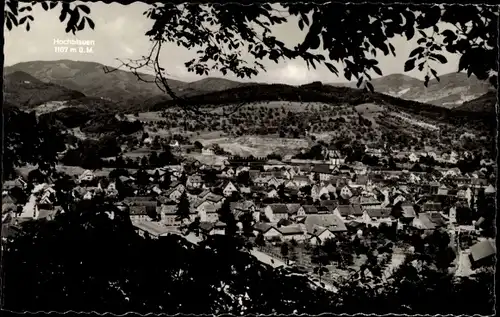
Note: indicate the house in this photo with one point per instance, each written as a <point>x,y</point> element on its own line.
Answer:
<point>319,235</point>
<point>291,185</point>
<point>168,215</point>
<point>331,188</point>
<point>317,192</point>
<point>443,190</point>
<point>293,209</point>
<point>329,204</point>
<point>274,182</point>
<point>246,205</point>
<point>228,172</point>
<point>138,213</point>
<point>360,181</point>
<point>267,230</point>
<point>275,212</point>
<point>307,210</point>
<point>348,212</point>
<point>194,181</point>
<point>150,229</point>
<point>490,190</point>
<point>18,182</point>
<point>452,172</point>
<point>369,202</point>
<point>321,172</point>
<point>207,151</point>
<point>289,173</point>
<point>375,217</point>
<point>407,211</point>
<point>86,176</point>
<point>241,208</point>
<point>47,214</point>
<point>273,193</point>
<point>329,221</point>
<point>483,253</point>
<point>292,232</point>
<point>173,194</point>
<point>261,181</point>
<point>414,179</point>
<point>212,228</point>
<point>428,221</point>
<point>207,212</point>
<point>346,192</point>
<point>229,189</point>
<point>301,181</point>
<point>214,199</point>
<point>431,207</point>
<point>413,158</point>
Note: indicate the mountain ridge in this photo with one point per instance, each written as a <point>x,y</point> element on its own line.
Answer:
<point>21,88</point>
<point>451,91</point>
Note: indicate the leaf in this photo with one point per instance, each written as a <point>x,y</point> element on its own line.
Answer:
<point>332,68</point>
<point>347,74</point>
<point>53,4</point>
<point>8,23</point>
<point>45,6</point>
<point>306,19</point>
<point>384,49</point>
<point>90,22</point>
<point>314,42</point>
<point>421,66</point>
<point>410,33</point>
<point>434,73</point>
<point>84,8</point>
<point>418,50</point>
<point>377,70</point>
<point>440,58</point>
<point>393,50</point>
<point>449,35</point>
<point>23,19</point>
<point>62,16</point>
<point>360,81</point>
<point>463,62</point>
<point>301,25</point>
<point>422,33</point>
<point>27,27</point>
<point>426,80</point>
<point>409,65</point>
<point>370,86</point>
<point>421,40</point>
<point>81,26</point>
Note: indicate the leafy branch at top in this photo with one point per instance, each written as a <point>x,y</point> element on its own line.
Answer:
<point>233,39</point>
<point>76,16</point>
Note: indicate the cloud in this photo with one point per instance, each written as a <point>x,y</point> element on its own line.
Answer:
<point>128,50</point>
<point>116,26</point>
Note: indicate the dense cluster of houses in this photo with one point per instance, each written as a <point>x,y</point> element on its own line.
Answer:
<point>289,199</point>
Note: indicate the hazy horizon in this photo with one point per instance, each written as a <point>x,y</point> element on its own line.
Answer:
<point>215,76</point>
<point>115,39</point>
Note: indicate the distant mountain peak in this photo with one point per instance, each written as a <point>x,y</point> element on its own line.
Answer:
<point>20,76</point>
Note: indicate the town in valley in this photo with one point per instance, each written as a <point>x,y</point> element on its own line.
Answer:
<point>298,190</point>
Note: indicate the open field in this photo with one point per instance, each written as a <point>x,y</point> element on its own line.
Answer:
<point>50,107</point>
<point>257,145</point>
<point>138,153</point>
<point>368,108</point>
<point>70,170</point>
<point>145,116</point>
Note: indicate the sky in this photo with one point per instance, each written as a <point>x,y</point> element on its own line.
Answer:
<point>120,33</point>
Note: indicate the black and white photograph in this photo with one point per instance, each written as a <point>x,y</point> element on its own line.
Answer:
<point>256,158</point>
